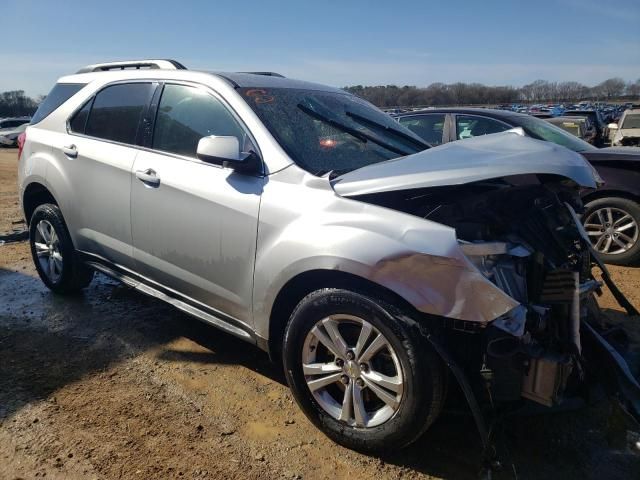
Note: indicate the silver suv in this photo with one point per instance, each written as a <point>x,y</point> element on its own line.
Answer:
<point>309,223</point>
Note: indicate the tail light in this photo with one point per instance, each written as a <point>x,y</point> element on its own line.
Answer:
<point>21,139</point>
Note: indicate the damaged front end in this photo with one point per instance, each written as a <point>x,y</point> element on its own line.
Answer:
<point>522,233</point>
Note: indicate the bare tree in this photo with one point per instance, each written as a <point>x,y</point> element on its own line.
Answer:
<point>612,87</point>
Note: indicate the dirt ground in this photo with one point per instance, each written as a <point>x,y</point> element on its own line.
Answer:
<point>112,384</point>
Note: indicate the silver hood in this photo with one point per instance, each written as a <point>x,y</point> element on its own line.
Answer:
<point>480,158</point>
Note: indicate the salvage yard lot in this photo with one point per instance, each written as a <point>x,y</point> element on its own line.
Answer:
<point>113,384</point>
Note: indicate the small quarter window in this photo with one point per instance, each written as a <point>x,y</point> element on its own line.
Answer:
<point>79,120</point>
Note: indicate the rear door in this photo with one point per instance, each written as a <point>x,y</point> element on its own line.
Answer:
<point>99,152</point>
<point>195,223</point>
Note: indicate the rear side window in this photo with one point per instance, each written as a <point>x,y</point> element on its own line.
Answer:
<point>430,127</point>
<point>186,114</point>
<point>57,96</point>
<point>117,111</point>
<point>474,126</point>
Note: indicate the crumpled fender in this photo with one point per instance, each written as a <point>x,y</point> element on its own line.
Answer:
<point>419,260</point>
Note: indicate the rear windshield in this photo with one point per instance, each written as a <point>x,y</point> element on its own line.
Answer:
<point>57,96</point>
<point>632,121</point>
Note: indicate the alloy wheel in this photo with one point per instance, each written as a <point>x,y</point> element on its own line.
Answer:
<point>611,230</point>
<point>47,245</point>
<point>352,371</point>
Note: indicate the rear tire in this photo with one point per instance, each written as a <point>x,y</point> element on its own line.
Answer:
<point>376,401</point>
<point>54,256</point>
<point>620,219</point>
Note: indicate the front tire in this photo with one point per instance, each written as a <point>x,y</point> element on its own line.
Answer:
<point>613,226</point>
<point>360,371</point>
<point>53,253</point>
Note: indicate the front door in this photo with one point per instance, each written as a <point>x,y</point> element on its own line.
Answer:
<point>194,224</point>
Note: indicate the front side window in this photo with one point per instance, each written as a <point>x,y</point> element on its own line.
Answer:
<point>429,127</point>
<point>325,131</point>
<point>468,126</point>
<point>117,111</point>
<point>187,114</point>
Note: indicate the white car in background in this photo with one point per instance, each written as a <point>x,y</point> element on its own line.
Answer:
<point>627,132</point>
<point>9,137</point>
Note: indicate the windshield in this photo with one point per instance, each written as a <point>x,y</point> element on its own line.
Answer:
<point>632,121</point>
<point>543,130</point>
<point>330,131</point>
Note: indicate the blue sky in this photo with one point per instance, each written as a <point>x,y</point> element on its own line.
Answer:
<point>334,42</point>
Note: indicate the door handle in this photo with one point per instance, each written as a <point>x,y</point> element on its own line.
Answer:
<point>70,151</point>
<point>148,177</point>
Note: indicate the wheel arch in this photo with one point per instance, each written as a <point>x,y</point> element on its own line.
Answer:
<point>304,283</point>
<point>36,194</point>
<point>599,194</point>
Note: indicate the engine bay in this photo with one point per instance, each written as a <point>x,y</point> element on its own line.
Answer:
<point>522,233</point>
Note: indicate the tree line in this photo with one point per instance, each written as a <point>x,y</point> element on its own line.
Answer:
<point>478,94</point>
<point>16,104</point>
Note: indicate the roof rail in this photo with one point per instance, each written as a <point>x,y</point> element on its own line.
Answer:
<point>134,65</point>
<point>266,74</point>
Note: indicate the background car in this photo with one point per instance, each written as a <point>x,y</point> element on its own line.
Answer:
<point>9,137</point>
<point>598,121</point>
<point>11,123</point>
<point>581,127</point>
<point>570,125</point>
<point>627,132</point>
<point>612,213</point>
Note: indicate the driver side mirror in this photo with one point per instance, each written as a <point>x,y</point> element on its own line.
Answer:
<point>612,126</point>
<point>225,151</point>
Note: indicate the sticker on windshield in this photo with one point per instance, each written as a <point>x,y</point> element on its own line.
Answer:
<point>259,95</point>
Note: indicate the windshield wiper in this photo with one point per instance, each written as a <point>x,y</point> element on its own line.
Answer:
<point>364,137</point>
<point>420,143</point>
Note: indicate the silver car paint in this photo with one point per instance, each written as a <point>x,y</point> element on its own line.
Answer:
<point>196,232</point>
<point>302,223</point>
<point>103,224</point>
<point>479,158</point>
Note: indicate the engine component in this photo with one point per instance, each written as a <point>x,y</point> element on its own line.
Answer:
<point>546,379</point>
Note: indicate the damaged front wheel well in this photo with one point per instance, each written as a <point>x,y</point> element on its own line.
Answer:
<point>303,284</point>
